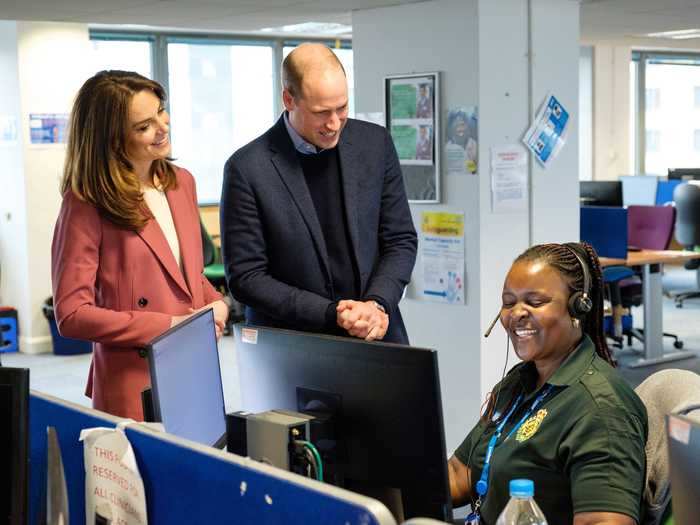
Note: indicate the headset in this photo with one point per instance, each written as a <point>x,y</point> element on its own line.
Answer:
<point>580,301</point>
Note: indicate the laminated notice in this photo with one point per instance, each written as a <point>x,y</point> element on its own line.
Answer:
<point>113,485</point>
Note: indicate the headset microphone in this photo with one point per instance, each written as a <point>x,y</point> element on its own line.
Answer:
<point>492,325</point>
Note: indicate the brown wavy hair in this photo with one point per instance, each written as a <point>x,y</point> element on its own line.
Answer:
<point>97,168</point>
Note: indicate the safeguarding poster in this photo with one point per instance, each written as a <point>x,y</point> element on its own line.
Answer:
<point>442,253</point>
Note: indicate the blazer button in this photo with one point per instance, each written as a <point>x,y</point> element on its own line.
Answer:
<point>143,302</point>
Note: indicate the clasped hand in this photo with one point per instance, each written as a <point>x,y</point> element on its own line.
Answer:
<point>362,319</point>
<point>220,316</point>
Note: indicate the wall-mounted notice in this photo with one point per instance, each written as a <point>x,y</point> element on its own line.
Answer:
<point>547,134</point>
<point>113,485</point>
<point>461,144</point>
<point>508,178</point>
<point>48,128</point>
<point>442,253</point>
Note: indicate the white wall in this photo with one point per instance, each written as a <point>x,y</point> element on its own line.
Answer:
<point>483,52</point>
<point>52,62</point>
<point>585,110</point>
<point>611,111</point>
<point>13,212</point>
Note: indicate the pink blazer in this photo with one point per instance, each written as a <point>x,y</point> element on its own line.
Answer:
<point>119,289</point>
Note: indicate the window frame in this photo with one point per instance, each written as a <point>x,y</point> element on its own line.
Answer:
<point>642,58</point>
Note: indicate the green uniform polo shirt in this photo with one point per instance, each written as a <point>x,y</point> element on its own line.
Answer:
<point>583,446</point>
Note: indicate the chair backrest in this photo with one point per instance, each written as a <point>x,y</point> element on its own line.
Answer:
<point>650,227</point>
<point>687,199</point>
<point>666,392</point>
<point>639,189</point>
<point>209,250</point>
<point>605,228</point>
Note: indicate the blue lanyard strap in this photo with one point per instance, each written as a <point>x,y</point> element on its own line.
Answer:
<point>482,486</point>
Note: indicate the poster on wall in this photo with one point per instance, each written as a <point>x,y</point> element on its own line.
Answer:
<point>411,104</point>
<point>461,141</point>
<point>442,254</point>
<point>48,128</point>
<point>547,134</point>
<point>509,185</point>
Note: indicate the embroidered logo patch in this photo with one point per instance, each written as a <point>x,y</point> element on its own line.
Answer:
<point>530,427</point>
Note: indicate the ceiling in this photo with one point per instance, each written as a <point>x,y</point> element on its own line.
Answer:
<point>600,19</point>
<point>631,19</point>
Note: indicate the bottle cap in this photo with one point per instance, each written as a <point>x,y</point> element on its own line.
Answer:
<point>522,488</point>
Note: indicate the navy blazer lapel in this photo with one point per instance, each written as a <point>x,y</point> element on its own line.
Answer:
<point>351,185</point>
<point>285,161</point>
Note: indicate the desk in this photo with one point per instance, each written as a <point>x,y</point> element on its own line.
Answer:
<point>651,262</point>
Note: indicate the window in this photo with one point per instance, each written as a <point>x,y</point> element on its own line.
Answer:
<point>670,83</point>
<point>653,138</point>
<point>222,91</point>
<point>653,97</point>
<point>221,98</point>
<point>128,55</point>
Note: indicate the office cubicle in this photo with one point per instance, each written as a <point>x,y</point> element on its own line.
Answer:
<point>189,483</point>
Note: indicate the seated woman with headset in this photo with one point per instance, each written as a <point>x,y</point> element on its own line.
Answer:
<point>564,417</point>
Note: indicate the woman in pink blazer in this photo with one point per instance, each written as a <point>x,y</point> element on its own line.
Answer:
<point>127,251</point>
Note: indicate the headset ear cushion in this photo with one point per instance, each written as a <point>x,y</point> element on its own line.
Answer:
<point>579,305</point>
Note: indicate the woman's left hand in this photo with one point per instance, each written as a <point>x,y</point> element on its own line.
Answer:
<point>220,315</point>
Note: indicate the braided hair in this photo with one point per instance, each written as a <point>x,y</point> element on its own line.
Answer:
<point>561,258</point>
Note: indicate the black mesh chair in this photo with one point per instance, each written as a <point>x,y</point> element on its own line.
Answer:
<point>687,199</point>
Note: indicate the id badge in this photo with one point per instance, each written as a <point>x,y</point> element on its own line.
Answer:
<point>473,519</point>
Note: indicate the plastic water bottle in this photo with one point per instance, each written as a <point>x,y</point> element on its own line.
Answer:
<point>521,509</point>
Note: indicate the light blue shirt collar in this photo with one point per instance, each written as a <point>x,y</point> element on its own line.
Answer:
<point>300,144</point>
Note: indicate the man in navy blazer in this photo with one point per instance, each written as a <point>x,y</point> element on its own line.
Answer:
<point>316,230</point>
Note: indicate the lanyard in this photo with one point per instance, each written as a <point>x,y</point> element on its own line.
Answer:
<point>482,485</point>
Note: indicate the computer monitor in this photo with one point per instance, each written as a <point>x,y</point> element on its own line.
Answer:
<point>639,190</point>
<point>684,174</point>
<point>381,400</point>
<point>186,388</point>
<point>600,193</point>
<point>684,461</point>
<point>14,441</point>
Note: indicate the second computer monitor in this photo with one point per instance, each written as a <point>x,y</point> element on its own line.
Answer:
<point>600,193</point>
<point>187,392</point>
<point>382,402</point>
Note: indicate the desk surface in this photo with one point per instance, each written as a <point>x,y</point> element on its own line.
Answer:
<point>641,257</point>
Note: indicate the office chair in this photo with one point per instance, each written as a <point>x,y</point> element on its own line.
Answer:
<point>648,228</point>
<point>665,392</point>
<point>687,199</point>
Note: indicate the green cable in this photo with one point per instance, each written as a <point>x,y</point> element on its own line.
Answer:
<point>310,446</point>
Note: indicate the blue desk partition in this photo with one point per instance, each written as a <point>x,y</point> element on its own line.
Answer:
<point>189,483</point>
<point>605,228</point>
<point>664,192</point>
<point>639,189</point>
